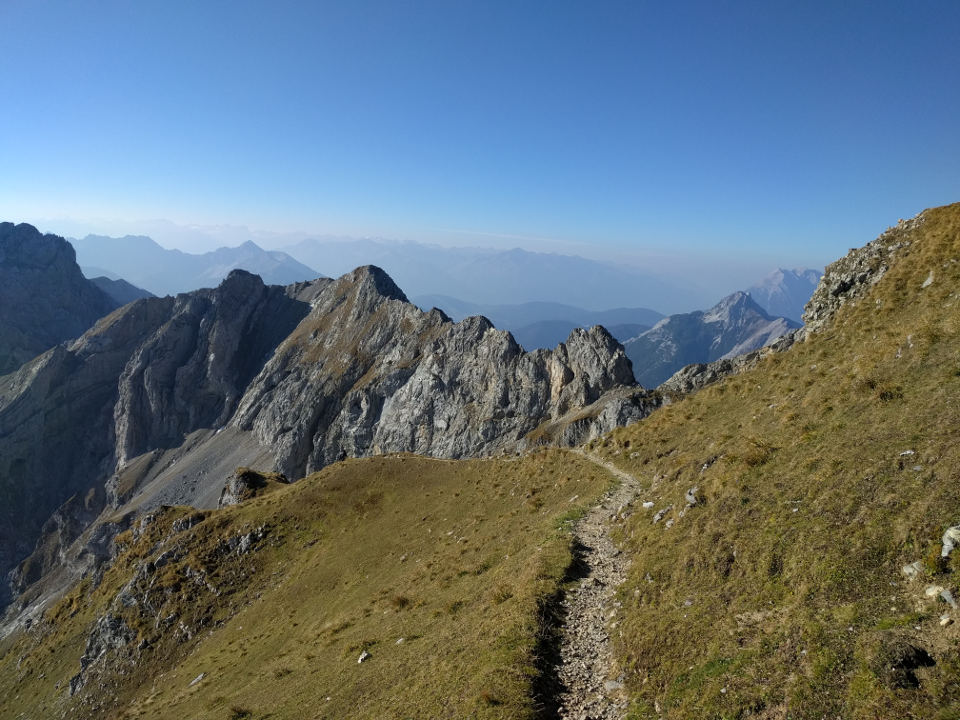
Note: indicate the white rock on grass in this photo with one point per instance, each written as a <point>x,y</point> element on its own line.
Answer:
<point>950,539</point>
<point>912,570</point>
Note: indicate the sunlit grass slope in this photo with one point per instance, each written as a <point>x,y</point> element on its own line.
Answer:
<point>820,475</point>
<point>435,568</point>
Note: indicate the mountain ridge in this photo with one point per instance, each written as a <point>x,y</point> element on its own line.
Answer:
<point>172,388</point>
<point>734,326</point>
<point>143,262</point>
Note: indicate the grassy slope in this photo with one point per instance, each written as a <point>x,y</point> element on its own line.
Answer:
<point>454,557</point>
<point>781,595</point>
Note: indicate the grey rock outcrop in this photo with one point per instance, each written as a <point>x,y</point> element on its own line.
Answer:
<point>155,399</point>
<point>140,379</point>
<point>383,376</point>
<point>850,277</point>
<point>191,372</point>
<point>44,298</point>
<point>245,484</point>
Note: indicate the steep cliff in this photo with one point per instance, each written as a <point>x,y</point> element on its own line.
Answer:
<point>44,298</point>
<point>139,379</point>
<point>160,401</point>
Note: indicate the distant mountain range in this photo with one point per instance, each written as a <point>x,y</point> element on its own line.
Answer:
<point>735,325</point>
<point>488,276</point>
<point>785,292</point>
<point>546,324</point>
<point>142,262</point>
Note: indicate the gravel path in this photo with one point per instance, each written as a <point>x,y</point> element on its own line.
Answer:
<point>591,688</point>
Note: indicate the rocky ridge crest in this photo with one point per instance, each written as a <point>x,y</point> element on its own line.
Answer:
<point>844,281</point>
<point>149,402</point>
<point>850,277</point>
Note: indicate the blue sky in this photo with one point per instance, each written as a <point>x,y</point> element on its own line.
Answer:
<point>788,131</point>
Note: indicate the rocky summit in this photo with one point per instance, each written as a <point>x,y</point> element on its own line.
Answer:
<point>44,298</point>
<point>160,401</point>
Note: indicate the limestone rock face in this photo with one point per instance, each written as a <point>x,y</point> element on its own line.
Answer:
<point>245,484</point>
<point>139,379</point>
<point>308,374</point>
<point>367,372</point>
<point>44,298</point>
<point>855,273</point>
<point>192,370</point>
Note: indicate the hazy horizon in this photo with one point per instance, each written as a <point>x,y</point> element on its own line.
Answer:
<point>706,277</point>
<point>751,135</point>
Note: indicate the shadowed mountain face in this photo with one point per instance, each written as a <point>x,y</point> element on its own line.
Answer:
<point>162,399</point>
<point>144,263</point>
<point>120,290</point>
<point>733,326</point>
<point>141,378</point>
<point>784,293</point>
<point>44,298</point>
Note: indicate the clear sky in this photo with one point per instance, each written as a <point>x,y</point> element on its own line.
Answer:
<point>793,130</point>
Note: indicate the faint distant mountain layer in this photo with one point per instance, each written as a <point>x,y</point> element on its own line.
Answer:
<point>44,298</point>
<point>733,326</point>
<point>546,324</point>
<point>784,293</point>
<point>490,276</point>
<point>120,290</point>
<point>144,263</point>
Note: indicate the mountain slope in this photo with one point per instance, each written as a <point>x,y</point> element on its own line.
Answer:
<point>120,290</point>
<point>44,298</point>
<point>733,326</point>
<point>141,261</point>
<point>434,573</point>
<point>804,578</point>
<point>784,293</point>
<point>160,401</point>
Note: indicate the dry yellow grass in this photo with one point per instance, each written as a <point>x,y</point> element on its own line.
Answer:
<point>781,594</point>
<point>455,558</point>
